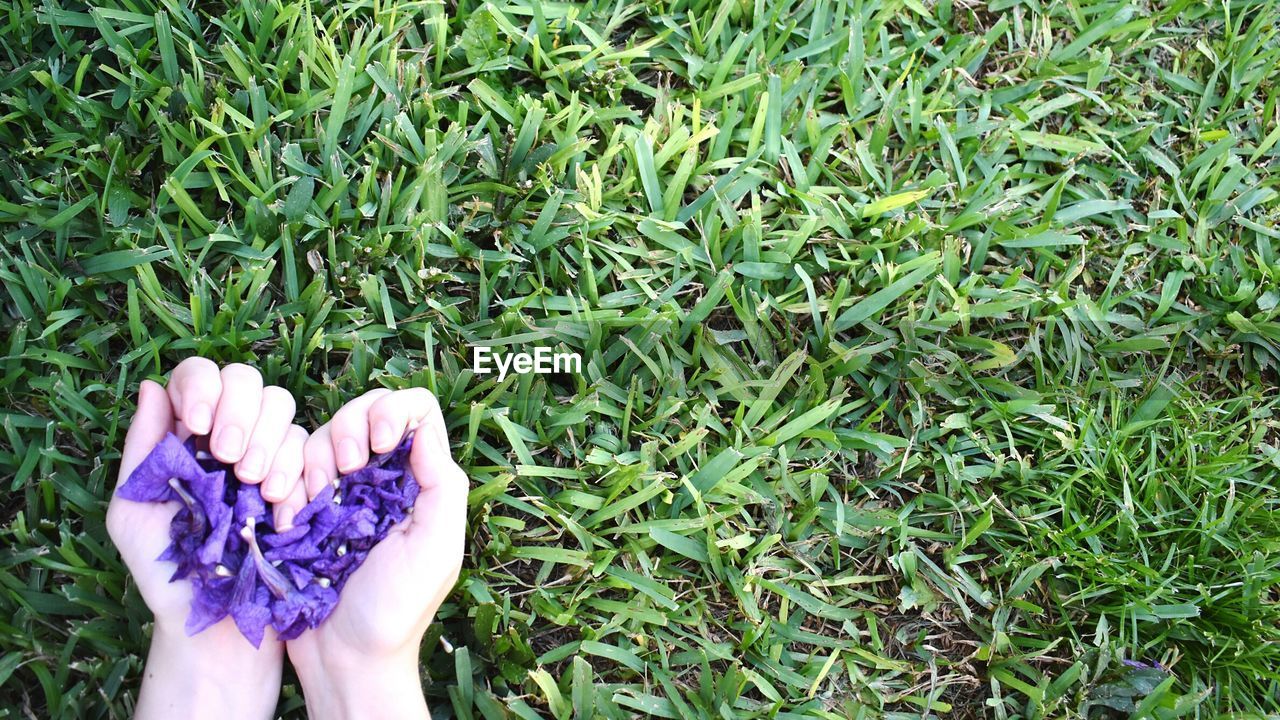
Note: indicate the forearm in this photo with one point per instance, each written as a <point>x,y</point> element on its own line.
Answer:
<point>214,674</point>
<point>340,689</point>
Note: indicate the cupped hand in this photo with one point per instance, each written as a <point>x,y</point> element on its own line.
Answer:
<point>363,660</point>
<point>250,425</point>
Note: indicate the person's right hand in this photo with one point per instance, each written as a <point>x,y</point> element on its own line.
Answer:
<point>251,426</point>
<point>362,661</point>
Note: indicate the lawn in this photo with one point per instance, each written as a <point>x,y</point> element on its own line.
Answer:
<point>929,347</point>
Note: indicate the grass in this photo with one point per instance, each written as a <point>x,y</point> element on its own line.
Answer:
<point>930,347</point>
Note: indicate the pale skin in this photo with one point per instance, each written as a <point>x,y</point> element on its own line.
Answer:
<point>362,662</point>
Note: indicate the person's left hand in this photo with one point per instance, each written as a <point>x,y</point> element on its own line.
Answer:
<point>363,660</point>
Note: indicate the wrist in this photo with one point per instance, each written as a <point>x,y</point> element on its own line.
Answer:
<point>346,686</point>
<point>215,673</point>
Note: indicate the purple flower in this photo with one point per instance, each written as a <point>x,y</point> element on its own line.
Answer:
<point>170,459</point>
<point>209,602</point>
<point>223,539</point>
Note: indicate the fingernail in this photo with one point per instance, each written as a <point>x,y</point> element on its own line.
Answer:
<point>348,454</point>
<point>383,435</point>
<point>230,441</point>
<point>274,486</point>
<point>201,419</point>
<point>254,463</point>
<point>284,518</point>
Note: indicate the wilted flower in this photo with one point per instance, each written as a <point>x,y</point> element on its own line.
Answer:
<point>224,541</point>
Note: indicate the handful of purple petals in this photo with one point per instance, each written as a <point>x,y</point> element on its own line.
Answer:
<point>224,540</point>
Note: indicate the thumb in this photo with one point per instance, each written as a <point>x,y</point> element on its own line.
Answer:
<point>152,420</point>
<point>439,526</point>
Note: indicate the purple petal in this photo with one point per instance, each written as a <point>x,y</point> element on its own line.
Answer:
<point>289,580</point>
<point>149,482</point>
<point>249,505</point>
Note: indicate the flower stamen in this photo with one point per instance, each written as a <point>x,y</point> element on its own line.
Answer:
<point>197,512</point>
<point>271,577</point>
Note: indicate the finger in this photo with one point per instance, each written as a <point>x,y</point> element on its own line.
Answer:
<point>194,388</point>
<point>237,412</point>
<point>319,466</point>
<point>152,420</point>
<point>287,466</point>
<point>283,485</point>
<point>275,418</point>
<point>394,414</point>
<point>439,523</point>
<point>349,431</point>
<point>288,509</point>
